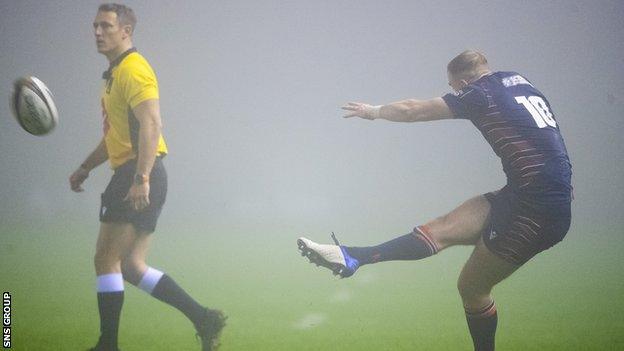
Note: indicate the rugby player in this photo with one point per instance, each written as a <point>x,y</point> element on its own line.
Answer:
<point>132,202</point>
<point>530,214</point>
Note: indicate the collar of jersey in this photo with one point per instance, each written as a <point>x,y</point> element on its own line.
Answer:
<point>115,62</point>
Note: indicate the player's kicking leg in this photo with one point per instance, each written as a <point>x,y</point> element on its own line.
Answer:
<point>207,322</point>
<point>462,226</point>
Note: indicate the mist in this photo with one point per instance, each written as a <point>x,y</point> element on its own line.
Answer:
<point>251,95</point>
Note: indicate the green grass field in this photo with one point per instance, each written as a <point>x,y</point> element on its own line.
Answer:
<point>570,298</point>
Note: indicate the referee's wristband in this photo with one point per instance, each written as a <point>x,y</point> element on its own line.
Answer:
<point>85,167</point>
<point>140,179</point>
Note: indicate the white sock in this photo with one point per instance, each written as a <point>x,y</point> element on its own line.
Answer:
<point>112,282</point>
<point>151,277</point>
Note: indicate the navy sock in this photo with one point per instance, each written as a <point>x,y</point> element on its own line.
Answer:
<point>413,246</point>
<point>482,326</point>
<point>109,305</point>
<point>171,293</point>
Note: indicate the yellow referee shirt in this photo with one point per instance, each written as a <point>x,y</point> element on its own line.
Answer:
<point>130,80</point>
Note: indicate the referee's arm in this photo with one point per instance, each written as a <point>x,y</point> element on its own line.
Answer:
<point>150,126</point>
<point>148,115</point>
<point>95,158</point>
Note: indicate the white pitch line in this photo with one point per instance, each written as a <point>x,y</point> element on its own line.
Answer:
<point>310,320</point>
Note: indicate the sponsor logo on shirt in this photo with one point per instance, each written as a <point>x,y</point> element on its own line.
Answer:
<point>515,80</point>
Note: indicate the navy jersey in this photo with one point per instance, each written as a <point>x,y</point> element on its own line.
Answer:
<point>519,124</point>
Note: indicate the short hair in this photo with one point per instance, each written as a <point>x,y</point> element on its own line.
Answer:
<point>468,65</point>
<point>125,15</point>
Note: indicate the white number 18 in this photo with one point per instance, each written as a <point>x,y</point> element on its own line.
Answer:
<point>538,110</point>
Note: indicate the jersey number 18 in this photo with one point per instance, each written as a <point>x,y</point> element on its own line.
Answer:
<point>538,110</point>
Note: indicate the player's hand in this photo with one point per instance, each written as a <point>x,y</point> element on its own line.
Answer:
<point>138,196</point>
<point>77,178</point>
<point>362,110</point>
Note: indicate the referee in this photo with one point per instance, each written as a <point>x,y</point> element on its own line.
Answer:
<point>133,200</point>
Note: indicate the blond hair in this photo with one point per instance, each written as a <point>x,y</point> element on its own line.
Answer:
<point>468,65</point>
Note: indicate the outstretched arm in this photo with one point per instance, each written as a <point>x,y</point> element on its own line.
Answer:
<point>410,110</point>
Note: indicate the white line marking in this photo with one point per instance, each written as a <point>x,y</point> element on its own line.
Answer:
<point>309,321</point>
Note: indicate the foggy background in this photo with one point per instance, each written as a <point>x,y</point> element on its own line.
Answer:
<point>250,97</point>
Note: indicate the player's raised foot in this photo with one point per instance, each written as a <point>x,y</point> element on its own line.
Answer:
<point>333,257</point>
<point>209,329</point>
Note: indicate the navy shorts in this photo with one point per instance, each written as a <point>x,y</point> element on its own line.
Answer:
<point>113,207</point>
<point>518,229</point>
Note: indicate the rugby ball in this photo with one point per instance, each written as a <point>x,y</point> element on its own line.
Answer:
<point>33,106</point>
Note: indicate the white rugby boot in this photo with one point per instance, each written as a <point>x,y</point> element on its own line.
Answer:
<point>333,257</point>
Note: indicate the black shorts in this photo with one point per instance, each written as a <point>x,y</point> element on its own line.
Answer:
<point>519,229</point>
<point>115,209</point>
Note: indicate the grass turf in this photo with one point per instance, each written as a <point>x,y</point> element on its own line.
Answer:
<point>569,298</point>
